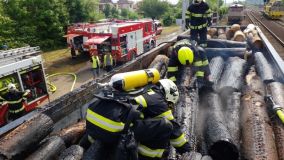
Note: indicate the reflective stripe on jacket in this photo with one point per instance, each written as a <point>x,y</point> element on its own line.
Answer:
<point>95,62</point>
<point>148,152</point>
<point>198,15</point>
<point>108,61</point>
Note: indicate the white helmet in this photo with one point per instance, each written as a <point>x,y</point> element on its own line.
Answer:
<point>170,89</point>
<point>11,87</point>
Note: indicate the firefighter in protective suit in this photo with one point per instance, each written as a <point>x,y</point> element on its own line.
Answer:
<point>108,118</point>
<point>14,99</point>
<point>157,103</point>
<point>198,17</point>
<point>187,53</point>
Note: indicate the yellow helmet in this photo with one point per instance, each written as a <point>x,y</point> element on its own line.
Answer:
<point>185,55</point>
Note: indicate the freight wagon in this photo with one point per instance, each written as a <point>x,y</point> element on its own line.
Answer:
<point>229,62</point>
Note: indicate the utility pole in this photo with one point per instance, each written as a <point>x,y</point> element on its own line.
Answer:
<point>185,4</point>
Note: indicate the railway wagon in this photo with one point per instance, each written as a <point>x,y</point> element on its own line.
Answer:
<point>236,13</point>
<point>71,107</point>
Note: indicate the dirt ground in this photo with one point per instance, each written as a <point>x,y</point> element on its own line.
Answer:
<point>60,61</point>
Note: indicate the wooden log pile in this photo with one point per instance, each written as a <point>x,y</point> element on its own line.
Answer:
<point>257,134</point>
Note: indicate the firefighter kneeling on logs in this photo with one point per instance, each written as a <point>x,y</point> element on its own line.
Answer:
<point>143,123</point>
<point>187,53</point>
<point>14,99</point>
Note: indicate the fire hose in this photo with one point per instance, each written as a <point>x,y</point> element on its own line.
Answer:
<point>53,88</point>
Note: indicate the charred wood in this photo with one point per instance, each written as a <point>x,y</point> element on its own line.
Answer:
<point>160,63</point>
<point>72,134</point>
<point>220,43</point>
<point>233,75</point>
<point>257,134</point>
<point>50,149</point>
<point>226,52</point>
<point>191,156</point>
<point>277,91</point>
<point>217,136</point>
<point>75,152</point>
<point>206,158</point>
<point>25,136</point>
<point>263,68</point>
<point>216,66</point>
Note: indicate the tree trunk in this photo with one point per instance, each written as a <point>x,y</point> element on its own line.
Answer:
<point>216,66</point>
<point>161,64</point>
<point>222,43</point>
<point>72,134</point>
<point>191,156</point>
<point>25,136</point>
<point>257,134</point>
<point>263,68</point>
<point>217,136</point>
<point>277,92</point>
<point>75,152</point>
<point>225,52</point>
<point>239,36</point>
<point>233,75</point>
<point>50,149</point>
<point>206,158</point>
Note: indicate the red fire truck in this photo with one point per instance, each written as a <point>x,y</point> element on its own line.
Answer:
<point>23,67</point>
<point>125,39</point>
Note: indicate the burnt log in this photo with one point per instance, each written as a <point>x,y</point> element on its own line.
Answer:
<point>161,64</point>
<point>257,134</point>
<point>230,34</point>
<point>233,75</point>
<point>206,158</point>
<point>221,43</point>
<point>25,136</point>
<point>191,156</point>
<point>263,68</point>
<point>277,92</point>
<point>212,32</point>
<point>232,116</point>
<point>217,136</point>
<point>254,41</point>
<point>75,152</point>
<point>72,134</point>
<point>216,66</point>
<point>226,52</point>
<point>222,36</point>
<point>50,149</point>
<point>235,27</point>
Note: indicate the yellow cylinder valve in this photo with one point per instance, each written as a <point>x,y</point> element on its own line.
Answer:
<point>135,79</point>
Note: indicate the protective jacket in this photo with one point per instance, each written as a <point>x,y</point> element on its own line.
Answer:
<point>154,105</point>
<point>198,18</point>
<point>15,101</point>
<point>108,61</point>
<point>95,62</point>
<point>200,61</point>
<point>106,120</point>
<point>198,15</point>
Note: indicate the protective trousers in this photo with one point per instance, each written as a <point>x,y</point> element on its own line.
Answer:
<point>202,33</point>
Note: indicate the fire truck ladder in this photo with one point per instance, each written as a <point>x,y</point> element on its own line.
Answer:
<point>14,55</point>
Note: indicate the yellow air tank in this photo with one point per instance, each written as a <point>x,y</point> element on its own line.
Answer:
<point>135,79</point>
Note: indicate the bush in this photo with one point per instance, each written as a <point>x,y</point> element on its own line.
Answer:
<point>168,19</point>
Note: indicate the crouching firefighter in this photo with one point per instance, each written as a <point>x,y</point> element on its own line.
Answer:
<point>114,125</point>
<point>187,53</point>
<point>158,102</point>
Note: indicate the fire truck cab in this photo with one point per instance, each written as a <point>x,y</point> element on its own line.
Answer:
<point>23,67</point>
<point>125,40</point>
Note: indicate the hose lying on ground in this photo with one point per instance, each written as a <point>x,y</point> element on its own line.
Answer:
<point>53,87</point>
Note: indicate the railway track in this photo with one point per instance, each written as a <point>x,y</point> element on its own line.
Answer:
<point>272,29</point>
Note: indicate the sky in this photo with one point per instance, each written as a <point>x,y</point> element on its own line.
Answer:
<point>171,1</point>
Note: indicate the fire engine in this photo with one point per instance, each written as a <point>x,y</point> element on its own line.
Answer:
<point>125,39</point>
<point>23,67</point>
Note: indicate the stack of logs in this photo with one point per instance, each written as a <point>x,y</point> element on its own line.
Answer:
<point>235,33</point>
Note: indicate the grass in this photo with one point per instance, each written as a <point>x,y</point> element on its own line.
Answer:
<point>56,54</point>
<point>170,30</point>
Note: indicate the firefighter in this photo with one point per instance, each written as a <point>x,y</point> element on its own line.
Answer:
<point>198,17</point>
<point>187,53</point>
<point>73,49</point>
<point>95,66</point>
<point>14,99</point>
<point>108,61</point>
<point>106,120</point>
<point>159,102</point>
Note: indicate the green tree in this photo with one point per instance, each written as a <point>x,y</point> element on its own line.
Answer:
<point>153,8</point>
<point>114,13</point>
<point>38,22</point>
<point>168,19</point>
<point>76,11</point>
<point>124,13</point>
<point>107,11</point>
